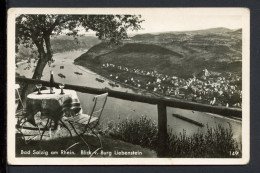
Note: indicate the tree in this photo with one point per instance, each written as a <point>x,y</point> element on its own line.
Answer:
<point>36,31</point>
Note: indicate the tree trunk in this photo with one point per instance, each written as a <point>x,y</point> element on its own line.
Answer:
<point>44,57</point>
<point>29,88</point>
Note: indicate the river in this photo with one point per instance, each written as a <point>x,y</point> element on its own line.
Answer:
<point>117,110</point>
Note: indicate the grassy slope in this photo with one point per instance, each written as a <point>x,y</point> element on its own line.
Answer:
<point>174,53</point>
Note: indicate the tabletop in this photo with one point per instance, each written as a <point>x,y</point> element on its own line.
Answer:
<point>46,94</point>
<point>53,105</point>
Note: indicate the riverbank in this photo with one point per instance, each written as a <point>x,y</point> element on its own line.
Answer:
<point>104,73</point>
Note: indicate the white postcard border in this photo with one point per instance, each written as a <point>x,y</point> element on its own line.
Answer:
<point>244,12</point>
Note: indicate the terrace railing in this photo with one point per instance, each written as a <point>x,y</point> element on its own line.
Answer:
<point>162,104</point>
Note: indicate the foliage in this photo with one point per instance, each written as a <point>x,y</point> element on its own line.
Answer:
<point>141,132</point>
<point>34,28</point>
<point>217,142</point>
<point>25,54</point>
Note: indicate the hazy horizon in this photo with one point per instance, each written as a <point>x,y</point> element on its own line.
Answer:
<point>159,22</point>
<point>91,33</point>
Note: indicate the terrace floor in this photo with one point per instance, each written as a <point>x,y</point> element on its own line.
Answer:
<point>60,140</point>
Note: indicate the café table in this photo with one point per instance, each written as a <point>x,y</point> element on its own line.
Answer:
<point>52,106</point>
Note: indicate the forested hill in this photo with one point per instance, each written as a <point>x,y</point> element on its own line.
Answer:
<point>174,53</point>
<point>59,43</point>
<point>65,43</point>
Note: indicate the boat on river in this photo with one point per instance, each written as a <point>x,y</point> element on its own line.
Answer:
<point>61,75</point>
<point>78,73</point>
<point>100,80</point>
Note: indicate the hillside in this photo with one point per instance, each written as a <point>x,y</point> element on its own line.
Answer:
<point>65,43</point>
<point>59,44</point>
<point>174,53</point>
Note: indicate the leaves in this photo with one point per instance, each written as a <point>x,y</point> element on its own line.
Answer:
<point>32,29</point>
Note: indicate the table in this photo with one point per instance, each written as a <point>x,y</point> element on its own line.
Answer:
<point>52,106</point>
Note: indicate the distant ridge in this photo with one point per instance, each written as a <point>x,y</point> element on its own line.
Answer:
<point>175,53</point>
<point>209,30</point>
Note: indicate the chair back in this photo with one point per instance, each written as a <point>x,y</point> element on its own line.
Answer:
<point>99,104</point>
<point>18,99</point>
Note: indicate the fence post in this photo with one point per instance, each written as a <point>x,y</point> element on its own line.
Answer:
<point>162,130</point>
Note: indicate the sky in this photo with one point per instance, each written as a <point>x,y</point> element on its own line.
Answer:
<point>162,23</point>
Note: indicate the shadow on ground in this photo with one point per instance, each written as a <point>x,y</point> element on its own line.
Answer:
<point>54,144</point>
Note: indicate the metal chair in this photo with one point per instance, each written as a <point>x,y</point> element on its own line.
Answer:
<point>89,122</point>
<point>22,116</point>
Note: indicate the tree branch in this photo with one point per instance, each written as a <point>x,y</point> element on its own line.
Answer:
<point>39,45</point>
<point>57,22</point>
<point>49,52</point>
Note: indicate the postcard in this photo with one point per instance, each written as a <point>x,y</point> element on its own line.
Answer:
<point>128,86</point>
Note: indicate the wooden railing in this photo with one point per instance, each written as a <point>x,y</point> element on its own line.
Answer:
<point>162,104</point>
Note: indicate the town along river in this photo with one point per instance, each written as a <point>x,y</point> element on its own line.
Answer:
<point>117,110</point>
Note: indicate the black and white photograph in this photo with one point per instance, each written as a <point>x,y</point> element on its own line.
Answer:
<point>128,86</point>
